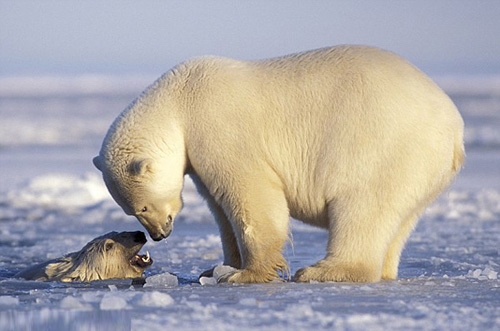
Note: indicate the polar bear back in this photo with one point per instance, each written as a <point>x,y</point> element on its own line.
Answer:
<point>333,121</point>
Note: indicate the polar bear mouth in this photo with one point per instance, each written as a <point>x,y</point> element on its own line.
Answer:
<point>141,261</point>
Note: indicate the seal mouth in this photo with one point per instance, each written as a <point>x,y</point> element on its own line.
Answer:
<point>141,261</point>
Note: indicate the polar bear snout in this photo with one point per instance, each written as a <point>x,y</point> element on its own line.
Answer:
<point>156,231</point>
<point>158,236</point>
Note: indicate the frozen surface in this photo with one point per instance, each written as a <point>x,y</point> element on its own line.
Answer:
<point>165,279</point>
<point>52,202</point>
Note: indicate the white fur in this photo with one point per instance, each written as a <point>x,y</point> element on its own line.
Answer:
<point>104,257</point>
<point>352,139</point>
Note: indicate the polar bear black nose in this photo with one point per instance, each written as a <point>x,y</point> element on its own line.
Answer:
<point>140,237</point>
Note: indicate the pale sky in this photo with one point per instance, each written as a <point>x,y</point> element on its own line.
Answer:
<point>148,37</point>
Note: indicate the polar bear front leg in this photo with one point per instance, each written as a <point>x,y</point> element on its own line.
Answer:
<point>260,222</point>
<point>232,255</point>
<point>230,248</point>
<point>358,239</point>
<point>229,244</point>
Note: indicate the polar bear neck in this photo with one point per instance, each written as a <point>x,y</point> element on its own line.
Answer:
<point>142,130</point>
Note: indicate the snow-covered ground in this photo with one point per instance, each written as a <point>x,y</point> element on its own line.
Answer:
<point>52,202</point>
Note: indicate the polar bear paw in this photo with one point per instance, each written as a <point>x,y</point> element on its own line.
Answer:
<point>245,276</point>
<point>326,271</point>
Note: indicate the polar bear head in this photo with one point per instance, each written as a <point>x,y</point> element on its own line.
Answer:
<point>143,158</point>
<point>143,189</point>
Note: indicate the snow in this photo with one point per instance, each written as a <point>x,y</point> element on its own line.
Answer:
<point>55,191</point>
<point>162,280</point>
<point>8,301</point>
<point>485,274</point>
<point>52,202</point>
<point>71,302</point>
<point>88,85</point>
<point>155,299</point>
<point>113,302</point>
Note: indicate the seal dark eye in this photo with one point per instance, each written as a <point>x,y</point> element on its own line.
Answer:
<point>145,209</point>
<point>108,246</point>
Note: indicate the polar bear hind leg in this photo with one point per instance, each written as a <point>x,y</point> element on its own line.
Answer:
<point>358,240</point>
<point>393,254</point>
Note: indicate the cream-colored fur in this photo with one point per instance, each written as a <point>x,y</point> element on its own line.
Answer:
<point>112,255</point>
<point>353,139</point>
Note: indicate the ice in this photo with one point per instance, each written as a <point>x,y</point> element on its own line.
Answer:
<point>89,84</point>
<point>71,302</point>
<point>476,273</point>
<point>218,272</point>
<point>222,270</point>
<point>8,301</point>
<point>91,297</point>
<point>59,191</point>
<point>490,273</point>
<point>162,280</point>
<point>485,274</point>
<point>359,320</point>
<point>155,299</point>
<point>208,281</point>
<point>113,302</point>
<point>248,302</point>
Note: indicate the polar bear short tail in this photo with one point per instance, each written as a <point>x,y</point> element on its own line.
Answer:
<point>458,155</point>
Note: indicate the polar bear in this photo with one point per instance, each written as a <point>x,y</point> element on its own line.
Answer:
<point>113,255</point>
<point>352,139</point>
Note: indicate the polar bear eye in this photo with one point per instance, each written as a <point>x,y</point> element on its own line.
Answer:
<point>144,209</point>
<point>169,218</point>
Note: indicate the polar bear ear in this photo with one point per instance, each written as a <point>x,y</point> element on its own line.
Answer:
<point>97,162</point>
<point>140,167</point>
<point>108,245</point>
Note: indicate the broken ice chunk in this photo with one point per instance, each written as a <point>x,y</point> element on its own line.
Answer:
<point>490,273</point>
<point>162,280</point>
<point>208,281</point>
<point>218,272</point>
<point>222,270</point>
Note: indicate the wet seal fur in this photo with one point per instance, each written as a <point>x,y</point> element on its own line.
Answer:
<point>113,255</point>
